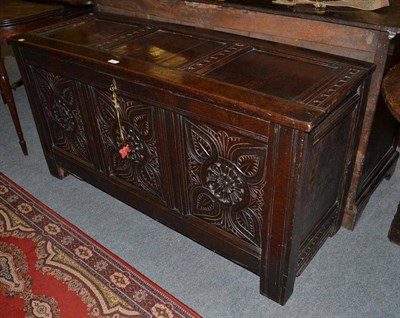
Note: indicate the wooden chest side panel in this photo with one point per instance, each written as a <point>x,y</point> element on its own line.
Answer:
<point>326,165</point>
<point>327,173</point>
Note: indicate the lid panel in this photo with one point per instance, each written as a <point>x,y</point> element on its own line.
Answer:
<point>271,74</point>
<point>289,85</point>
<point>167,48</point>
<point>90,32</point>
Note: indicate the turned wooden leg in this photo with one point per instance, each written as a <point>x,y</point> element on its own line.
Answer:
<point>7,93</point>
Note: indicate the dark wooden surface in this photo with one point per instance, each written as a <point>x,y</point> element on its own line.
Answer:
<point>365,36</point>
<point>243,145</point>
<point>391,92</point>
<point>386,18</point>
<point>14,12</point>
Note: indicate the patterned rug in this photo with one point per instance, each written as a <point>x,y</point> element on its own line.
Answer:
<point>50,269</point>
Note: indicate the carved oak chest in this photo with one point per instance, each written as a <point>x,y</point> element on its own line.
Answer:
<point>243,145</point>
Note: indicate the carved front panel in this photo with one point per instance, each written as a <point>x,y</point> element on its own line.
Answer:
<point>141,166</point>
<point>226,179</point>
<point>58,98</point>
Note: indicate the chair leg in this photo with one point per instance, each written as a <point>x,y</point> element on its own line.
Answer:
<point>7,93</point>
<point>3,98</point>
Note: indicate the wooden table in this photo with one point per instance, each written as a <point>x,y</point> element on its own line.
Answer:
<point>16,17</point>
<point>391,92</point>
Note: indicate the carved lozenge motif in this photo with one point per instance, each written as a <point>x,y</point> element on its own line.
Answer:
<point>58,96</point>
<point>141,167</point>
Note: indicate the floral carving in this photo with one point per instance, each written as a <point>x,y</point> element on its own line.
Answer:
<point>63,116</point>
<point>205,202</point>
<point>142,124</point>
<point>140,167</point>
<point>225,183</point>
<point>201,146</point>
<point>137,147</point>
<point>226,180</point>
<point>249,164</point>
<point>61,108</point>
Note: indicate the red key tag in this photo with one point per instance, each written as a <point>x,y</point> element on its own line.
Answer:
<point>124,151</point>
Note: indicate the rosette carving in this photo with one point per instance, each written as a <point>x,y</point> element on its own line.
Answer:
<point>63,115</point>
<point>224,182</point>
<point>137,146</point>
<point>226,173</point>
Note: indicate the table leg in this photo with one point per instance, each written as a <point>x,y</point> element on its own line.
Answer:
<point>7,93</point>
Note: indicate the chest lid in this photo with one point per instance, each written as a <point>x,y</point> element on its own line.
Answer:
<point>294,87</point>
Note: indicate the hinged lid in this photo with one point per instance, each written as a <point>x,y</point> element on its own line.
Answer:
<point>293,87</point>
